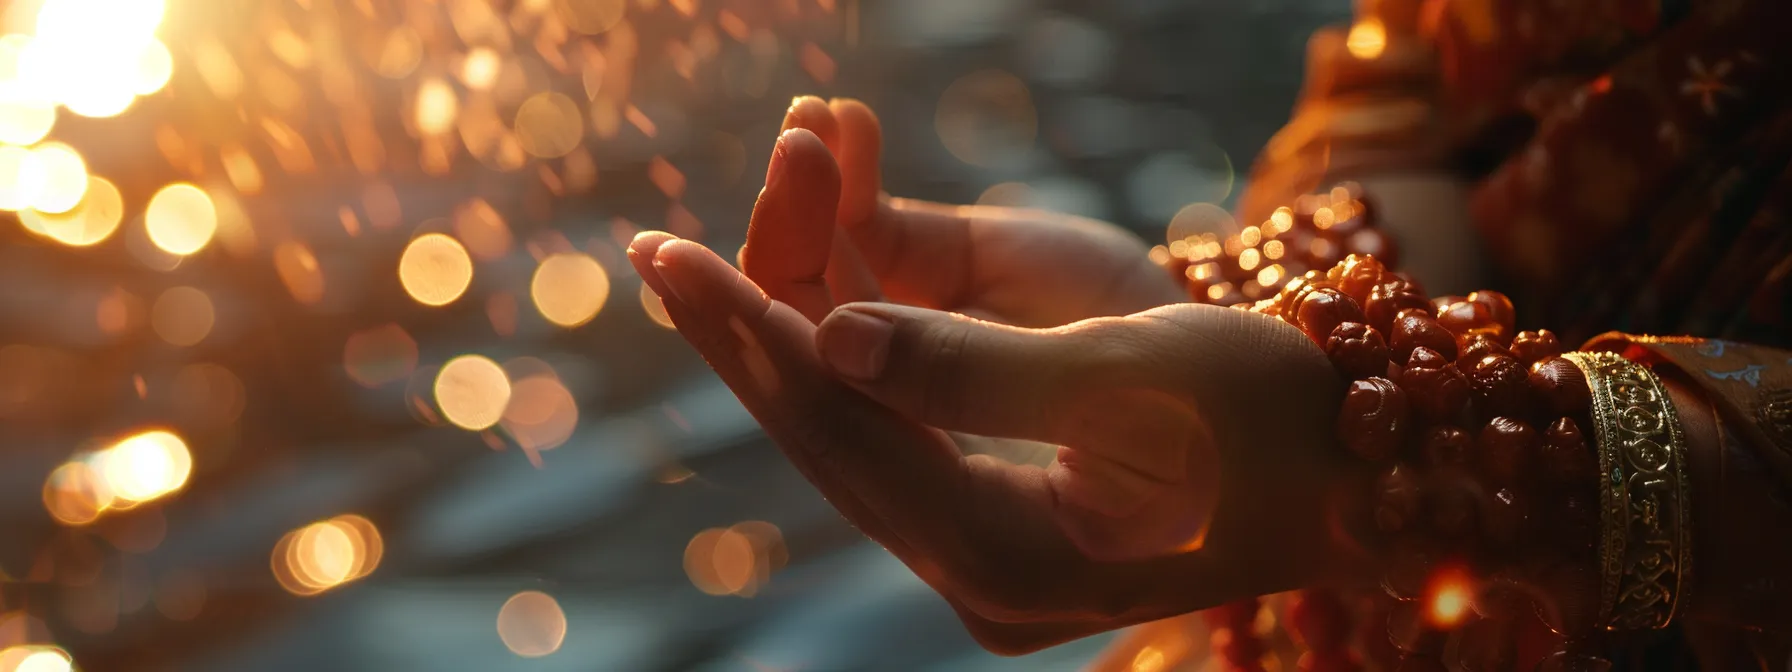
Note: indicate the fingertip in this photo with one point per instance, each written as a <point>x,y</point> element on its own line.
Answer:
<point>641,253</point>
<point>813,114</point>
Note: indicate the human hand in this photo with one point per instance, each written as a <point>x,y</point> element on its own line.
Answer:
<point>1197,467</point>
<point>824,233</point>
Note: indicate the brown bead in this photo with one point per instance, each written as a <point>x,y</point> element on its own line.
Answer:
<point>1441,303</point>
<point>1357,350</point>
<point>1560,386</point>
<point>1504,519</point>
<point>1357,275</point>
<point>1409,565</point>
<point>1565,455</point>
<point>1465,318</point>
<point>1416,330</point>
<point>1500,386</point>
<point>1387,299</point>
<point>1437,391</point>
<point>1373,420</point>
<point>1499,305</point>
<point>1288,300</point>
<point>1323,309</point>
<point>1505,449</point>
<point>1475,346</point>
<point>1398,499</point>
<point>1533,346</point>
<point>1445,445</point>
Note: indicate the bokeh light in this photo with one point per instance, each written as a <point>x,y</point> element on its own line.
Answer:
<point>986,118</point>
<point>35,658</point>
<point>531,624</point>
<point>299,271</point>
<point>381,355</point>
<point>569,288</point>
<point>542,413</point>
<point>326,554</point>
<point>53,178</point>
<point>655,308</point>
<point>89,222</point>
<point>182,316</point>
<point>142,467</point>
<point>548,125</point>
<point>1448,596</point>
<point>734,561</point>
<point>435,269</point>
<point>472,392</point>
<point>1367,39</point>
<point>181,219</point>
<point>436,107</point>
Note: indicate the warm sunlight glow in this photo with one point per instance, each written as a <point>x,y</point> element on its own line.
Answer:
<point>55,177</point>
<point>145,466</point>
<point>91,221</point>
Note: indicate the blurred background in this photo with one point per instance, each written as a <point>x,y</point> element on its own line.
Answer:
<point>319,351</point>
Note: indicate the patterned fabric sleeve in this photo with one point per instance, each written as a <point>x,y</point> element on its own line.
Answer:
<point>1742,478</point>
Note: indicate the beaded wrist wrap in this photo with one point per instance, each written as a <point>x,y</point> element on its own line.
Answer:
<point>1645,527</point>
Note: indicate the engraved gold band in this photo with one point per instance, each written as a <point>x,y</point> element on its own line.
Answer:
<point>1645,550</point>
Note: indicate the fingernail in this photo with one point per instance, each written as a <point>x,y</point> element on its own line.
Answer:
<point>775,170</point>
<point>855,344</point>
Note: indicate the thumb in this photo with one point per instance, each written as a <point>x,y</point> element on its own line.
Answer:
<point>956,372</point>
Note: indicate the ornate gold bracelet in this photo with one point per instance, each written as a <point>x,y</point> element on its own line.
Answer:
<point>1645,551</point>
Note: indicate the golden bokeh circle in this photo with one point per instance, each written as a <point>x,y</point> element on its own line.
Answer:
<point>182,316</point>
<point>569,288</point>
<point>89,222</point>
<point>472,392</point>
<point>181,219</point>
<point>435,269</point>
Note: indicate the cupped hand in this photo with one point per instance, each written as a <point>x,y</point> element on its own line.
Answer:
<point>1197,464</point>
<point>824,232</point>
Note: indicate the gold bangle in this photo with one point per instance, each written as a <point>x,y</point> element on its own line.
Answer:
<point>1645,551</point>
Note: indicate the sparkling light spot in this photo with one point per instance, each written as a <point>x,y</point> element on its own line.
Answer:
<point>182,316</point>
<point>1450,594</point>
<point>541,414</point>
<point>181,219</point>
<point>531,624</point>
<point>435,269</point>
<point>472,392</point>
<point>75,494</point>
<point>569,288</point>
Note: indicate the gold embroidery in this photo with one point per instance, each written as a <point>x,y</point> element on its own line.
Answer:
<point>1645,530</point>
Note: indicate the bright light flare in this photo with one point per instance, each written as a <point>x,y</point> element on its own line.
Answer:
<point>1448,598</point>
